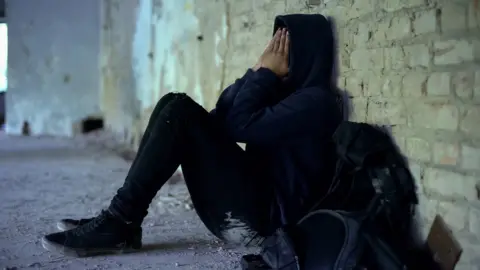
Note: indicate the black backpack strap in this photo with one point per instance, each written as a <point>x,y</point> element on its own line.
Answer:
<point>279,250</point>
<point>333,185</point>
<point>383,256</point>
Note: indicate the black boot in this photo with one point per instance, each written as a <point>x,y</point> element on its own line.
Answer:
<point>68,224</point>
<point>105,234</point>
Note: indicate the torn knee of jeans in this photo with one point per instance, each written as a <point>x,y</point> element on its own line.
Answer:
<point>236,231</point>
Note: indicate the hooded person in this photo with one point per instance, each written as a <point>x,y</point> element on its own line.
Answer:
<point>287,124</point>
<point>241,196</point>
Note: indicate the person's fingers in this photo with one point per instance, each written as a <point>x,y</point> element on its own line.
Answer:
<point>276,40</point>
<point>286,47</point>
<point>269,45</point>
<point>281,48</point>
<point>271,42</point>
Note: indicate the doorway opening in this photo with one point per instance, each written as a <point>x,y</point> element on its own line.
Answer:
<point>91,124</point>
<point>3,68</point>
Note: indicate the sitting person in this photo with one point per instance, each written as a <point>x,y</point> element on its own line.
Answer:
<point>284,109</point>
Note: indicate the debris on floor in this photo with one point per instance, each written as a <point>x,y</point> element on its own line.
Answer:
<point>45,179</point>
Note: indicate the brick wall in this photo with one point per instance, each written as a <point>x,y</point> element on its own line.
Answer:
<point>411,64</point>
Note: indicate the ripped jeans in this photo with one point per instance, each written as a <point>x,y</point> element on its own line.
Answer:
<point>229,200</point>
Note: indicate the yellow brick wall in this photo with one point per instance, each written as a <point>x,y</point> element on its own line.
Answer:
<point>410,64</point>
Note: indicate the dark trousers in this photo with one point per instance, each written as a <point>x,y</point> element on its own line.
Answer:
<point>226,195</point>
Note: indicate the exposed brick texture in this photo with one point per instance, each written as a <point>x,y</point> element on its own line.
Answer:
<point>413,64</point>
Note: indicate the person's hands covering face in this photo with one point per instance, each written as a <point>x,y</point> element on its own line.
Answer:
<point>275,56</point>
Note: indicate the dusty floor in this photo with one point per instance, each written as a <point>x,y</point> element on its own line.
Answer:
<point>45,179</point>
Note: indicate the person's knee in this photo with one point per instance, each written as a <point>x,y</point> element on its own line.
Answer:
<point>183,105</point>
<point>174,96</point>
<point>180,106</point>
<point>179,99</point>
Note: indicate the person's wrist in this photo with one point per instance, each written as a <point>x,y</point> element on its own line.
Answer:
<point>268,72</point>
<point>270,69</point>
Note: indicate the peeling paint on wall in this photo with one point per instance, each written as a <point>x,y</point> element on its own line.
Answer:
<point>139,51</point>
<point>118,96</point>
<point>152,47</point>
<point>178,46</point>
<point>46,46</point>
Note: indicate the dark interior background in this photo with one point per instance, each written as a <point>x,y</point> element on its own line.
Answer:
<point>2,9</point>
<point>2,95</point>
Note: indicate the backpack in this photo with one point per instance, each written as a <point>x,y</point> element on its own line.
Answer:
<point>329,239</point>
<point>363,221</point>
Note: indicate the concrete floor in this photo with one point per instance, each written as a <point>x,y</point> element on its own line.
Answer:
<point>45,179</point>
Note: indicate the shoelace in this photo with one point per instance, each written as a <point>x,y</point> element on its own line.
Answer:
<point>90,226</point>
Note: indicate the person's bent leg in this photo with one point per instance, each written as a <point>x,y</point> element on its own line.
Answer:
<point>154,164</point>
<point>161,104</point>
<point>218,174</point>
<point>224,195</point>
<point>107,232</point>
<point>68,223</point>
<point>225,184</point>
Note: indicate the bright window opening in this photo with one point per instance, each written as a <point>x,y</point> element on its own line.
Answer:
<point>3,56</point>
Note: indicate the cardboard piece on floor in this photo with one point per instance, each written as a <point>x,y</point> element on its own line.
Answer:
<point>444,246</point>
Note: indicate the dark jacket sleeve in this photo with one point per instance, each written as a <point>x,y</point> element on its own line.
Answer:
<point>225,101</point>
<point>252,120</point>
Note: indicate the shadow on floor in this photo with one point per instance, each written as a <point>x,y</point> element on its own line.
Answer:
<point>173,246</point>
<point>186,244</point>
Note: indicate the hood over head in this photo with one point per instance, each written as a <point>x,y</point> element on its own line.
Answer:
<point>311,56</point>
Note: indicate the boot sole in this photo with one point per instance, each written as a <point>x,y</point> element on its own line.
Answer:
<point>64,227</point>
<point>77,252</point>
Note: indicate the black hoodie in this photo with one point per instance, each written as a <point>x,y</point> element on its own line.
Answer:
<point>288,126</point>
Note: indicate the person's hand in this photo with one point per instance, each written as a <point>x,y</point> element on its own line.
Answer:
<point>275,56</point>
